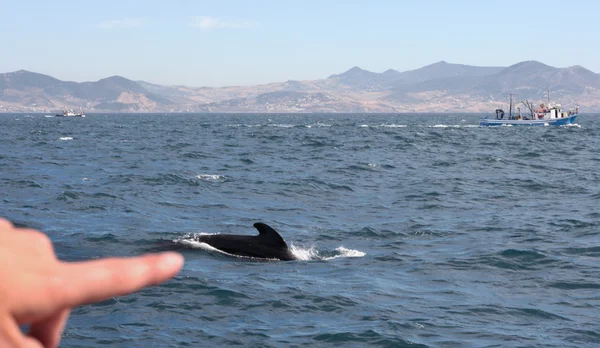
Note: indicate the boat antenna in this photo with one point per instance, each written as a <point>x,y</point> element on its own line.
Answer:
<point>529,106</point>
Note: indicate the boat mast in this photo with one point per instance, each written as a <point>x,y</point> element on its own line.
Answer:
<point>510,109</point>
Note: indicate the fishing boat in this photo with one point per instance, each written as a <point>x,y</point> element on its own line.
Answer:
<point>71,113</point>
<point>549,114</point>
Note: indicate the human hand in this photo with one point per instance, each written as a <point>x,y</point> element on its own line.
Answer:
<point>38,290</point>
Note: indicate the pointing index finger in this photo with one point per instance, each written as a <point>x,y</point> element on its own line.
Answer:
<point>92,281</point>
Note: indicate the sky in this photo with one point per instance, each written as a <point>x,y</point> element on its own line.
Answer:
<point>247,42</point>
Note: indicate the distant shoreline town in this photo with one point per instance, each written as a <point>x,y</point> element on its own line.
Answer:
<point>437,88</point>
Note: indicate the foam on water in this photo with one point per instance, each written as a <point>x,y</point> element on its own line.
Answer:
<point>304,254</point>
<point>210,177</point>
<point>318,125</point>
<point>342,252</point>
<point>393,125</point>
<point>383,125</point>
<point>447,126</point>
<point>65,138</point>
<point>301,253</point>
<point>244,125</point>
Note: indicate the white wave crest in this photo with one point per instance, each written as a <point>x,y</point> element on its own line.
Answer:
<point>385,125</point>
<point>343,252</point>
<point>318,125</point>
<point>311,253</point>
<point>237,125</point>
<point>446,126</point>
<point>210,177</point>
<point>65,138</point>
<point>394,125</point>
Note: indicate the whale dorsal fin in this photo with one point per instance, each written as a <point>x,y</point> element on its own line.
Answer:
<point>269,234</point>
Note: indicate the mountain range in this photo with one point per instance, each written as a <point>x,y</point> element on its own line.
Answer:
<point>439,87</point>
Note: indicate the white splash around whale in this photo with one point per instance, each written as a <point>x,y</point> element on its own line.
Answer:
<point>301,253</point>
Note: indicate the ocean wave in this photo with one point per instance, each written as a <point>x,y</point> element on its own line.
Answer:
<point>281,125</point>
<point>383,125</point>
<point>584,251</point>
<point>516,259</point>
<point>446,126</point>
<point>344,253</point>
<point>196,155</point>
<point>237,125</point>
<point>574,285</point>
<point>210,177</point>
<point>22,183</point>
<point>318,125</point>
<point>170,179</point>
<point>313,254</point>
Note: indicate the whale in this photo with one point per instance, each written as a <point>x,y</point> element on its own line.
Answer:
<point>268,244</point>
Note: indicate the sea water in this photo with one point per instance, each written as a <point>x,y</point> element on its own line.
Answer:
<point>416,230</point>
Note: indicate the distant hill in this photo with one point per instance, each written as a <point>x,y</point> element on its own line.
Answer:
<point>23,79</point>
<point>444,70</point>
<point>42,91</point>
<point>438,87</point>
<point>530,78</point>
<point>359,78</point>
<point>526,80</point>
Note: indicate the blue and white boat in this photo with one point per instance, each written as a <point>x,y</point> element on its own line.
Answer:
<point>549,114</point>
<point>71,113</point>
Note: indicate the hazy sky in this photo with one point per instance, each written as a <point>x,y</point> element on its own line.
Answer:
<point>242,42</point>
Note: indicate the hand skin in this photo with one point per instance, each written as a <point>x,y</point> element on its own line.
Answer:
<point>38,290</point>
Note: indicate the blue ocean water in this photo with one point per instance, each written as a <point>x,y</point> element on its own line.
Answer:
<point>413,230</point>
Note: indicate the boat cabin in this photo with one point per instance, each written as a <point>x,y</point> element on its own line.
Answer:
<point>551,112</point>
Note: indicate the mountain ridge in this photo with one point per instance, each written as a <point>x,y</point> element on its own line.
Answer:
<point>437,87</point>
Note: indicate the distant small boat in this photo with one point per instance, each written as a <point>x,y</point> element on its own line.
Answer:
<point>549,114</point>
<point>71,113</point>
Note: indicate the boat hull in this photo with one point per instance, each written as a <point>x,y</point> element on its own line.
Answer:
<point>488,122</point>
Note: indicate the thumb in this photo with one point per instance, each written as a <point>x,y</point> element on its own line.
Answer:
<point>12,337</point>
<point>49,330</point>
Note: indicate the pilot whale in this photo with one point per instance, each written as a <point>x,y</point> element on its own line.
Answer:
<point>268,244</point>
